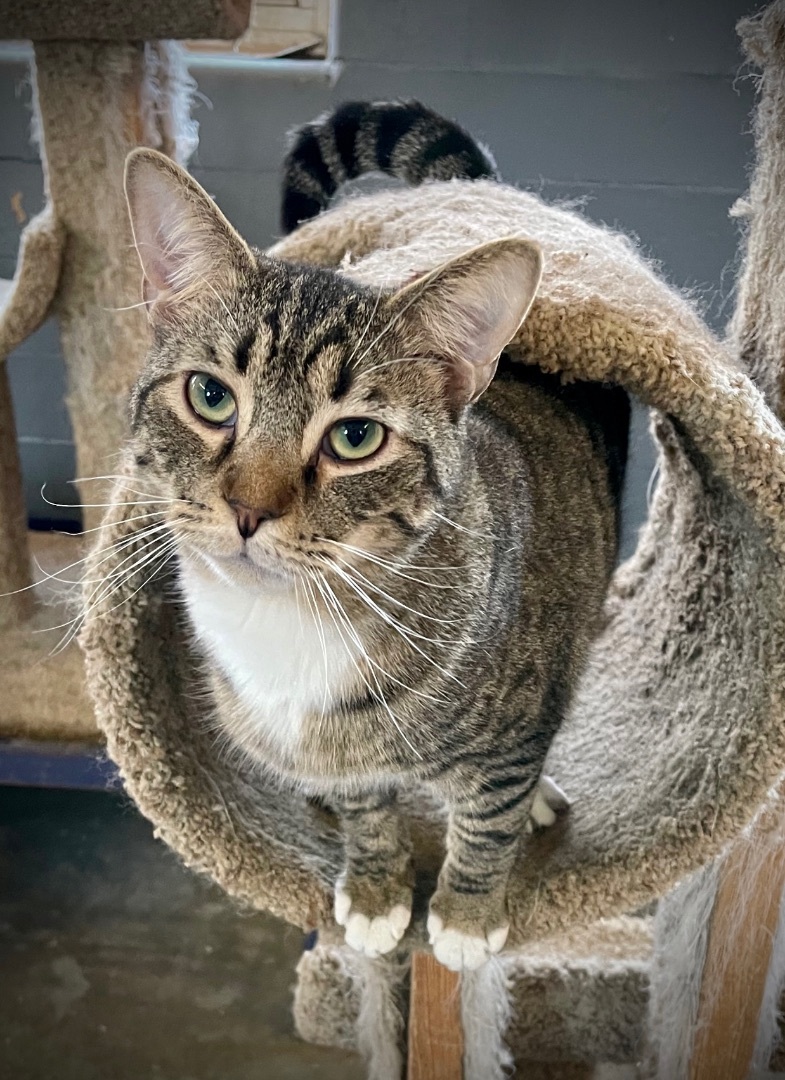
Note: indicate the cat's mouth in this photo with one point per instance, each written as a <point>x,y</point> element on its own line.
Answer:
<point>250,570</point>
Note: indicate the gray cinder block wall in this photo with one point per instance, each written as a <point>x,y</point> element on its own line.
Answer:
<point>638,109</point>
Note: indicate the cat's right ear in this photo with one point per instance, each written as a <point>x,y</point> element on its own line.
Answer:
<point>186,246</point>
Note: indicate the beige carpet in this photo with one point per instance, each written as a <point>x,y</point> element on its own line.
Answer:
<point>42,694</point>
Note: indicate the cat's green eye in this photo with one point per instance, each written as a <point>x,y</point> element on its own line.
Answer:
<point>353,440</point>
<point>210,400</point>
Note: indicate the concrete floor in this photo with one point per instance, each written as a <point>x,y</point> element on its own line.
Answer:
<point>118,964</point>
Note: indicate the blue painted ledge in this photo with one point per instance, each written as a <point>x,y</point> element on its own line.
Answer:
<point>77,766</point>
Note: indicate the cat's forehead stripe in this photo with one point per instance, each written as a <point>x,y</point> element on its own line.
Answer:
<point>344,381</point>
<point>272,322</point>
<point>145,392</point>
<point>335,334</point>
<point>242,353</point>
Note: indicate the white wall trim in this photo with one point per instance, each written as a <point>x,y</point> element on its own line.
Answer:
<point>327,71</point>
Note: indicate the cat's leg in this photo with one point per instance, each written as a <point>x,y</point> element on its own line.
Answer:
<point>468,919</point>
<point>373,896</point>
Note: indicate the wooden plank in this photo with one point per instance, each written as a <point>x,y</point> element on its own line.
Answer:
<point>743,924</point>
<point>278,28</point>
<point>435,1032</point>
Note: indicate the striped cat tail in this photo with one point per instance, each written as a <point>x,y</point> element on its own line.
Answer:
<point>403,139</point>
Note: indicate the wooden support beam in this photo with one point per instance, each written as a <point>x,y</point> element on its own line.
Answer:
<point>15,605</point>
<point>435,1032</point>
<point>741,936</point>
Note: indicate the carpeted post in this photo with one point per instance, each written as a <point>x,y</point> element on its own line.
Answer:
<point>24,304</point>
<point>94,103</point>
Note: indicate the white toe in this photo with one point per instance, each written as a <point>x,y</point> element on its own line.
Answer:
<point>357,929</point>
<point>434,926</point>
<point>460,952</point>
<point>553,794</point>
<point>342,905</point>
<point>498,938</point>
<point>463,952</point>
<point>540,812</point>
<point>379,935</point>
<point>399,918</point>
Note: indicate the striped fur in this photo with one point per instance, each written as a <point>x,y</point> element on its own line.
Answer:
<point>457,578</point>
<point>403,139</point>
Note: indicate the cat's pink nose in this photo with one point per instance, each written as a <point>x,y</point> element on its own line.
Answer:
<point>249,518</point>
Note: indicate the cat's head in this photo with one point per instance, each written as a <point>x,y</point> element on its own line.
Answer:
<point>292,410</point>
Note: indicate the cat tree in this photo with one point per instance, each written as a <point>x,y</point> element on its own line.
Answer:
<point>674,750</point>
<point>105,81</point>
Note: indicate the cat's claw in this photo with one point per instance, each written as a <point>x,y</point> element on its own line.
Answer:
<point>371,936</point>
<point>463,952</point>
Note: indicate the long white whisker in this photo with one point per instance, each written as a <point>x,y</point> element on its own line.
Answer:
<point>223,304</point>
<point>405,630</point>
<point>297,603</point>
<point>396,626</point>
<point>359,341</point>
<point>314,607</point>
<point>386,328</point>
<point>395,567</point>
<point>150,536</point>
<point>463,528</point>
<point>378,693</point>
<point>167,549</point>
<point>400,360</point>
<point>104,525</point>
<point>110,550</point>
<point>106,505</point>
<point>394,600</point>
<point>125,482</point>
<point>129,307</point>
<point>367,656</point>
<point>110,579</point>
<point>651,485</point>
<point>107,586</point>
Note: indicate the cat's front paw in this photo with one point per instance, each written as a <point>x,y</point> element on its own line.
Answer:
<point>460,951</point>
<point>373,935</point>
<point>465,929</point>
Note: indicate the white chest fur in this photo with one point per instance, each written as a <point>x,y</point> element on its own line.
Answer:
<point>283,662</point>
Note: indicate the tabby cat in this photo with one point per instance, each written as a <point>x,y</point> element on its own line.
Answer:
<point>393,543</point>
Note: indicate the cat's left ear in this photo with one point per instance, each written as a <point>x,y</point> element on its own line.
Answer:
<point>186,246</point>
<point>467,310</point>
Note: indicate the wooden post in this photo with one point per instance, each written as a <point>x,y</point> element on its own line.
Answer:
<point>435,1032</point>
<point>741,936</point>
<point>15,606</point>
